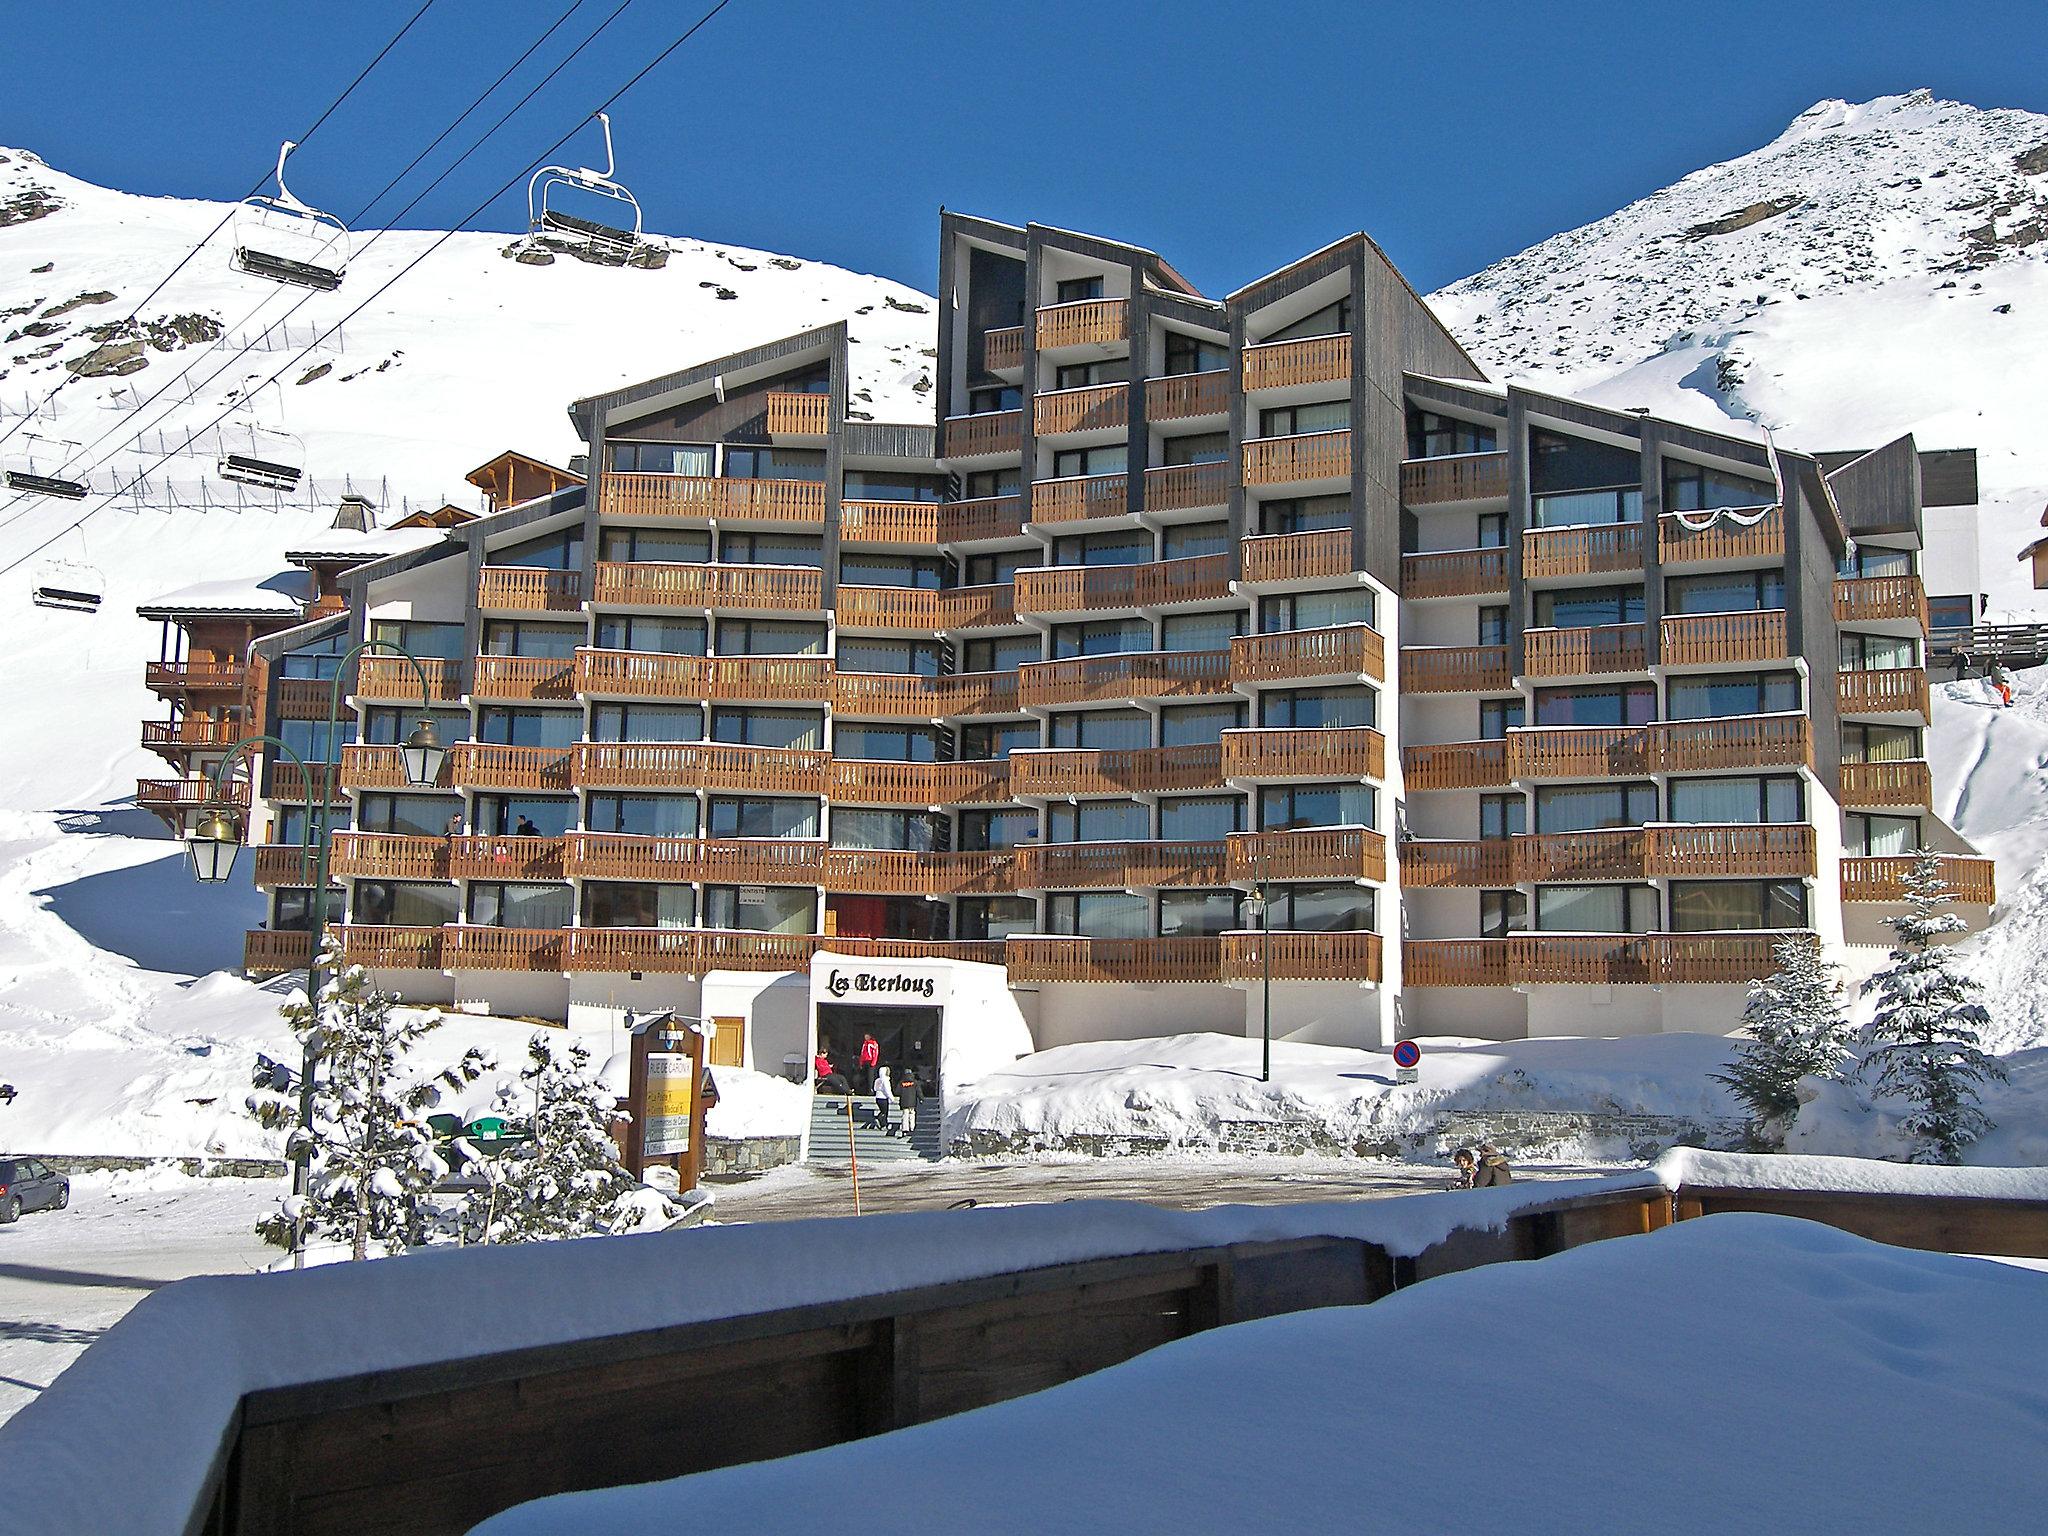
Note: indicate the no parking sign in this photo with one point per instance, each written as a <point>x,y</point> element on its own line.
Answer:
<point>1407,1056</point>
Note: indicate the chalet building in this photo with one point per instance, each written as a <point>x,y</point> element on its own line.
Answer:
<point>1521,715</point>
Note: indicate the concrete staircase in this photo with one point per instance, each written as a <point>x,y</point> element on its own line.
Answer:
<point>828,1133</point>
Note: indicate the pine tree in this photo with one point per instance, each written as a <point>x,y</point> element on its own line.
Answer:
<point>1795,1030</point>
<point>1923,1041</point>
<point>567,1181</point>
<point>372,1158</point>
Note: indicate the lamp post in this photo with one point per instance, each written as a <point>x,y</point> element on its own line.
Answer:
<point>1261,908</point>
<point>214,840</point>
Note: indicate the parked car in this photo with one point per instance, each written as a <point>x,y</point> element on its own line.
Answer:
<point>29,1185</point>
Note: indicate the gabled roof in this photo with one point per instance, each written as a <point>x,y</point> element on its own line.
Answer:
<point>282,595</point>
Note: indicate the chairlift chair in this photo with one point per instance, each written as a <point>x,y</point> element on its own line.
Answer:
<point>69,585</point>
<point>544,214</point>
<point>288,241</point>
<point>269,468</point>
<point>24,472</point>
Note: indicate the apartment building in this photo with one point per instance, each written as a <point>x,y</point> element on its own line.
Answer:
<point>1201,660</point>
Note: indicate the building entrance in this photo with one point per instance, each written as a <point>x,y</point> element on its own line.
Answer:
<point>908,1039</point>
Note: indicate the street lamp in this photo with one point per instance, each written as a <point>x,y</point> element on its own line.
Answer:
<point>212,845</point>
<point>1256,905</point>
<point>424,755</point>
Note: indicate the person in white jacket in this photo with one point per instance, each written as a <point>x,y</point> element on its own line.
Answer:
<point>885,1099</point>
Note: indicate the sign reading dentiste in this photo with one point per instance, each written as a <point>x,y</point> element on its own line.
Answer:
<point>862,981</point>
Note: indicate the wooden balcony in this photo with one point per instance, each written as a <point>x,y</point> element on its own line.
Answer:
<point>700,765</point>
<point>1002,349</point>
<point>465,948</point>
<point>1055,773</point>
<point>491,765</point>
<point>693,951</point>
<point>523,679</point>
<point>1080,498</point>
<point>688,860</point>
<point>1181,396</point>
<point>653,675</point>
<point>1453,573</point>
<point>966,522</point>
<point>791,414</point>
<point>381,947</point>
<point>1329,752</point>
<point>1119,866</point>
<point>1582,751</point>
<point>1094,408</point>
<point>306,698</point>
<point>1746,851</point>
<point>985,435</point>
<point>889,522</point>
<point>786,588</point>
<point>175,740</point>
<point>1600,960</point>
<point>392,679</point>
<point>1595,550</point>
<point>891,872</point>
<point>517,589</point>
<point>1884,879</point>
<point>1095,588</point>
<point>1298,556</point>
<point>1737,741</point>
<point>1592,752</point>
<point>1592,651</point>
<point>1077,959</point>
<point>1287,460</point>
<point>1301,956</point>
<point>1907,783</point>
<point>1875,599</point>
<point>1285,364</point>
<point>1461,865</point>
<point>272,951</point>
<point>897,697</point>
<point>1456,765</point>
<point>914,608</point>
<point>1085,323</point>
<point>387,856</point>
<point>162,795</point>
<point>1883,691</point>
<point>1344,650</point>
<point>327,607</point>
<point>504,858</point>
<point>1119,678</point>
<point>1454,962</point>
<point>1186,487</point>
<point>1723,639</point>
<point>282,864</point>
<point>1456,477</point>
<point>920,784</point>
<point>1722,540</point>
<point>170,678</point>
<point>697,497</point>
<point>365,768</point>
<point>1318,853</point>
<point>1455,669</point>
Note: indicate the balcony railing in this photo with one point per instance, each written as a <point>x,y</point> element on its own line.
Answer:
<point>1464,865</point>
<point>1755,851</point>
<point>270,951</point>
<point>1883,691</point>
<point>650,675</point>
<point>1119,866</point>
<point>1344,650</point>
<point>1183,395</point>
<point>1596,649</point>
<point>987,517</point>
<point>1077,498</point>
<point>282,864</point>
<point>388,856</point>
<point>1155,584</point>
<point>915,608</point>
<point>1454,668</point>
<point>175,738</point>
<point>889,522</point>
<point>1087,323</point>
<point>1593,550</point>
<point>384,947</point>
<point>1873,599</point>
<point>392,678</point>
<point>475,857</point>
<point>188,676</point>
<point>523,678</point>
<point>1457,477</point>
<point>1336,752</point>
<point>1589,752</point>
<point>362,768</point>
<point>892,872</point>
<point>1301,956</point>
<point>1132,675</point>
<point>1093,408</point>
<point>1456,765</point>
<point>1723,539</point>
<point>1454,573</point>
<point>305,698</point>
<point>1058,772</point>
<point>1885,879</point>
<point>1285,460</point>
<point>709,496</point>
<point>789,588</point>
<point>493,765</point>
<point>986,434</point>
<point>893,696</point>
<point>1723,639</point>
<point>791,414</point>
<point>518,589</point>
<point>700,765</point>
<point>1907,783</point>
<point>1298,556</point>
<point>856,782</point>
<point>1317,853</point>
<point>1311,360</point>
<point>1078,959</point>
<point>685,860</point>
<point>1002,349</point>
<point>1186,487</point>
<point>187,794</point>
<point>465,948</point>
<point>1590,959</point>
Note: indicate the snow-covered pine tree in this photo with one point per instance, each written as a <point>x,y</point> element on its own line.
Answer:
<point>372,1158</point>
<point>1795,1029</point>
<point>1922,1043</point>
<point>567,1181</point>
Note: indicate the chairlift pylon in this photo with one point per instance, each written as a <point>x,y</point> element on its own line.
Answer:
<point>546,216</point>
<point>40,473</point>
<point>289,241</point>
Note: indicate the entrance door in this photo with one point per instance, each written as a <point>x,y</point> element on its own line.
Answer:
<point>728,1046</point>
<point>908,1038</point>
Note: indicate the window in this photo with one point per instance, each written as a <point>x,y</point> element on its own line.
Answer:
<point>760,908</point>
<point>622,904</point>
<point>1695,488</point>
<point>1587,807</point>
<point>1952,612</point>
<point>1502,913</point>
<point>980,484</point>
<point>1312,708</point>
<point>1702,905</point>
<point>1870,835</point>
<point>447,642</point>
<point>558,551</point>
<point>770,637</point>
<point>1497,717</point>
<point>412,815</point>
<point>1188,725</point>
<point>526,637</point>
<point>387,726</point>
<point>1104,637</point>
<point>1870,653</point>
<point>642,632</point>
<point>1110,459</point>
<point>1748,799</point>
<point>1600,704</point>
<point>1720,694</point>
<point>1880,743</point>
<point>998,568</point>
<point>523,816</point>
<point>1107,730</point>
<point>983,743</point>
<point>743,548</point>
<point>1075,290</point>
<point>1317,610</point>
<point>1578,509</point>
<point>1596,908</point>
<point>895,658</point>
<point>288,822</point>
<point>654,546</point>
<point>405,903</point>
<point>1493,624</point>
<point>1000,397</point>
<point>1561,463</point>
<point>1200,631</point>
<point>1433,436</point>
<point>876,485</point>
<point>1118,546</point>
<point>646,722</point>
<point>1725,592</point>
<point>641,815</point>
<point>1108,370</point>
<point>661,458</point>
<point>1288,807</point>
<point>1305,514</point>
<point>1197,914</point>
<point>762,816</point>
<point>1333,908</point>
<point>494,905</point>
<point>1330,320</point>
<point>769,727</point>
<point>1493,530</point>
<point>996,917</point>
<point>1876,560</point>
<point>1583,607</point>
<point>1099,915</point>
<point>310,742</point>
<point>1195,448</point>
<point>899,831</point>
<point>774,463</point>
<point>1502,816</point>
<point>291,910</point>
<point>1191,354</point>
<point>528,727</point>
<point>981,831</point>
<point>886,743</point>
<point>1098,821</point>
<point>1184,541</point>
<point>1003,654</point>
<point>919,572</point>
<point>316,662</point>
<point>1300,420</point>
<point>1200,818</point>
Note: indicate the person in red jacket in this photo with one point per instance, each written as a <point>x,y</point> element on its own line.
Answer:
<point>870,1058</point>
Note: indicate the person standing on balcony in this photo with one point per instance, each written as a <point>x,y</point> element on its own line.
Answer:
<point>454,824</point>
<point>526,828</point>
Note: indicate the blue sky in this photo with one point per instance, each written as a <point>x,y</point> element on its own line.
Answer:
<point>1228,136</point>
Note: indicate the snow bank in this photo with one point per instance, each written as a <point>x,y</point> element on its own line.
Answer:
<point>756,1104</point>
<point>1845,1175</point>
<point>1736,1373</point>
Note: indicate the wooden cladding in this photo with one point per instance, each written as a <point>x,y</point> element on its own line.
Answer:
<point>1002,349</point>
<point>1298,556</point>
<point>986,434</point>
<point>1093,408</point>
<point>1874,599</point>
<point>1597,649</point>
<point>1335,752</point>
<point>369,768</point>
<point>699,765</point>
<point>1083,959</point>
<point>1458,477</point>
<point>1301,956</point>
<point>505,858</point>
<point>1285,460</point>
<point>798,415</point>
<point>522,678</point>
<point>392,679</point>
<point>1593,550</point>
<point>787,588</point>
<point>1455,669</point>
<point>1320,853</point>
<point>1087,323</point>
<point>1343,650</point>
<point>651,675</point>
<point>1058,772</point>
<point>1883,691</point>
<point>1884,879</point>
<point>1119,866</point>
<point>709,496</point>
<point>1155,584</point>
<point>492,765</point>
<point>268,951</point>
<point>1723,639</point>
<point>923,522</point>
<point>914,608</point>
<point>170,677</point>
<point>1179,396</point>
<point>518,589</point>
<point>1599,960</point>
<point>1452,573</point>
<point>1906,783</point>
<point>1615,853</point>
<point>1284,364</point>
<point>387,856</point>
<point>1133,675</point>
<point>1591,752</point>
<point>1186,487</point>
<point>1722,539</point>
<point>1077,498</point>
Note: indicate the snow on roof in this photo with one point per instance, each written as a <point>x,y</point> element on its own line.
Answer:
<point>365,544</point>
<point>283,593</point>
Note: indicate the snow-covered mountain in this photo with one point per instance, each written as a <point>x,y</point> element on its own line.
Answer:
<point>1877,268</point>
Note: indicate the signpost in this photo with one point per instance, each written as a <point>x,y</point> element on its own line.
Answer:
<point>668,1093</point>
<point>1407,1056</point>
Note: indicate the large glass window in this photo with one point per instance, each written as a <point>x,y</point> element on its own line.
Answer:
<point>642,815</point>
<point>661,458</point>
<point>1318,708</point>
<point>1604,704</point>
<point>762,816</point>
<point>410,815</point>
<point>1299,420</point>
<point>1098,821</point>
<point>921,573</point>
<point>385,726</point>
<point>496,905</point>
<point>291,910</point>
<point>1502,815</point>
<point>1200,631</point>
<point>1185,541</point>
<point>1596,908</point>
<point>654,546</point>
<point>1195,448</point>
<point>1583,607</point>
<point>1104,370</point>
<point>1003,654</point>
<point>1111,459</point>
<point>646,722</point>
<point>1075,290</point>
<point>1197,914</point>
<point>405,903</point>
<point>1585,807</point>
<point>1733,693</point>
<point>998,567</point>
<point>901,831</point>
<point>1099,915</point>
<point>980,484</point>
<point>996,397</point>
<point>1748,799</point>
<point>1287,807</point>
<point>878,485</point>
<point>445,642</point>
<point>984,743</point>
<point>1493,624</point>
<point>1187,725</point>
<point>1695,488</point>
<point>770,637</point>
<point>769,727</point>
<point>1117,546</point>
<point>1194,354</point>
<point>871,743</point>
<point>895,658</point>
<point>1317,610</point>
<point>1330,320</point>
<point>523,816</point>
<point>637,904</point>
<point>1877,560</point>
<point>1880,743</point>
<point>310,739</point>
<point>1105,637</point>
<point>760,908</point>
<point>643,632</point>
<point>1305,514</point>
<point>528,727</point>
<point>742,547</point>
<point>1705,905</point>
<point>1434,436</point>
<point>1497,717</point>
<point>996,917</point>
<point>1867,834</point>
<point>1725,592</point>
<point>526,637</point>
<point>561,550</point>
<point>318,662</point>
<point>1331,908</point>
<point>1200,818</point>
<point>1502,913</point>
<point>1012,827</point>
<point>752,463</point>
<point>1106,730</point>
<point>1578,509</point>
<point>1870,653</point>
